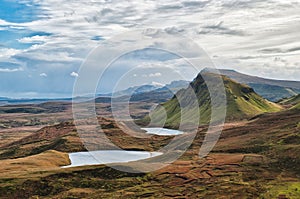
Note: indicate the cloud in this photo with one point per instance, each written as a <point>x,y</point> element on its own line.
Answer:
<point>6,53</point>
<point>244,35</point>
<point>34,39</point>
<point>9,70</point>
<point>280,50</point>
<point>74,74</point>
<point>155,75</point>
<point>37,54</point>
<point>157,84</point>
<point>220,29</point>
<point>196,4</point>
<point>43,75</point>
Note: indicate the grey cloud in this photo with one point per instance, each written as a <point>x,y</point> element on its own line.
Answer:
<point>220,29</point>
<point>106,11</point>
<point>112,16</point>
<point>279,50</point>
<point>185,6</point>
<point>263,27</point>
<point>238,4</point>
<point>293,49</point>
<point>174,30</point>
<point>169,7</point>
<point>247,57</point>
<point>271,50</point>
<point>198,4</point>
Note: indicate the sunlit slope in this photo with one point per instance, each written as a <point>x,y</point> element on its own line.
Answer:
<point>242,103</point>
<point>292,102</point>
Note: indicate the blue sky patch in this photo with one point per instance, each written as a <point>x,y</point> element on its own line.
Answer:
<point>16,12</point>
<point>9,38</point>
<point>97,38</point>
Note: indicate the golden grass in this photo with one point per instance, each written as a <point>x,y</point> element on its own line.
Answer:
<point>22,167</point>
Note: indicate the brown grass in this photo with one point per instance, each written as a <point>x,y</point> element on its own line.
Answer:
<point>28,166</point>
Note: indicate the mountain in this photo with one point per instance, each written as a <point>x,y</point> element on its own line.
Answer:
<point>174,86</point>
<point>12,101</point>
<point>131,90</point>
<point>161,94</point>
<point>273,90</point>
<point>3,98</point>
<point>242,103</point>
<point>146,93</point>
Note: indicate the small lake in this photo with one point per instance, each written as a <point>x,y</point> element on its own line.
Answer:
<point>107,157</point>
<point>162,131</point>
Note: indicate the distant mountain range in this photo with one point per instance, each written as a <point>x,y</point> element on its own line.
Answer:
<point>146,93</point>
<point>242,103</point>
<point>7,101</point>
<point>131,91</point>
<point>273,90</point>
<point>270,89</point>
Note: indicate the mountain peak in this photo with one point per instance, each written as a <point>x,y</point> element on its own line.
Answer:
<point>242,102</point>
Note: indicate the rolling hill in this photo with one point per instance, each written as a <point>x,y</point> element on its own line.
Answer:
<point>242,103</point>
<point>45,107</point>
<point>292,102</point>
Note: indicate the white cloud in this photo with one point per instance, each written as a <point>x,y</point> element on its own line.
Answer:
<point>244,35</point>
<point>4,23</point>
<point>34,39</point>
<point>43,75</point>
<point>6,53</point>
<point>157,84</point>
<point>9,70</point>
<point>39,54</point>
<point>74,74</point>
<point>228,29</point>
<point>155,74</point>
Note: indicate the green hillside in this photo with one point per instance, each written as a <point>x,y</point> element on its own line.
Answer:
<point>293,102</point>
<point>297,106</point>
<point>270,89</point>
<point>242,103</point>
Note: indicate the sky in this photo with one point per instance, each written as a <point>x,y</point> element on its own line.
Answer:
<point>44,43</point>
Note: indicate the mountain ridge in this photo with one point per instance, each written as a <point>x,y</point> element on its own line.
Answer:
<point>242,102</point>
<point>271,89</point>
